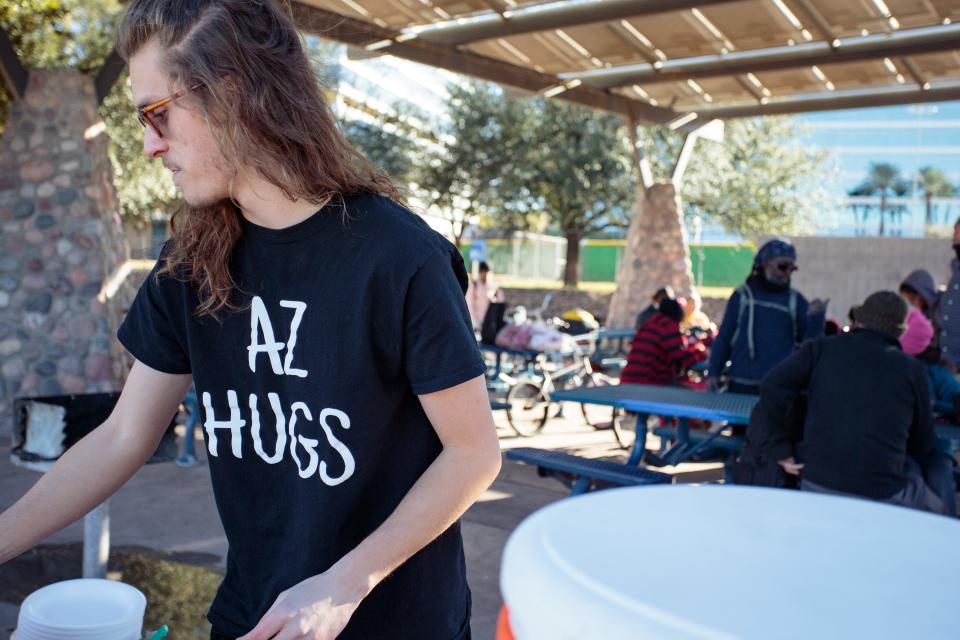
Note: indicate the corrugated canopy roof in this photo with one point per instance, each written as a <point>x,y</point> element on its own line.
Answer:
<point>664,60</point>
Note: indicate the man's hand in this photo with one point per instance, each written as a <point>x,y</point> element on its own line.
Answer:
<point>315,609</point>
<point>817,306</point>
<point>713,383</point>
<point>791,466</point>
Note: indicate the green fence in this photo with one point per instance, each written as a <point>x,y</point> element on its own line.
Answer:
<point>722,265</point>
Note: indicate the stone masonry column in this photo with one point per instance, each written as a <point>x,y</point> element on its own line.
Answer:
<point>656,255</point>
<point>60,240</point>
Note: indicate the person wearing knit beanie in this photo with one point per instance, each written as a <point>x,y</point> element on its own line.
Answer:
<point>867,425</point>
<point>884,312</point>
<point>918,335</point>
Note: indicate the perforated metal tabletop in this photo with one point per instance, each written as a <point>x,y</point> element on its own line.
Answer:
<point>734,408</point>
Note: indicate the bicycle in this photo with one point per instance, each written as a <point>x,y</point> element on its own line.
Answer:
<point>529,397</point>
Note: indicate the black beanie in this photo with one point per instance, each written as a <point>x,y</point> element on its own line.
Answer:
<point>883,311</point>
<point>671,308</point>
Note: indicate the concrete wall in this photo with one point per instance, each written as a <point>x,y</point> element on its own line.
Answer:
<point>847,270</point>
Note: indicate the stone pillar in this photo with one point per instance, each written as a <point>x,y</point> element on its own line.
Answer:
<point>656,255</point>
<point>61,240</point>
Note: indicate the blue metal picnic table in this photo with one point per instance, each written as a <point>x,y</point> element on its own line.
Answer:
<point>613,343</point>
<point>500,352</point>
<point>677,402</point>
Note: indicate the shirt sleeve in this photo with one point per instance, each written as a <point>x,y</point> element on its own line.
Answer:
<point>439,347</point>
<point>149,333</point>
<point>780,390</point>
<point>720,350</point>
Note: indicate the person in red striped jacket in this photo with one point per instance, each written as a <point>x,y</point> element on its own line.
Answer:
<point>660,353</point>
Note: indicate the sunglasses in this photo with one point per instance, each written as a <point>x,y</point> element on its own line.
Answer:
<point>149,115</point>
<point>786,267</point>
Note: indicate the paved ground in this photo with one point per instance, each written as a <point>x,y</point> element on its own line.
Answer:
<point>168,508</point>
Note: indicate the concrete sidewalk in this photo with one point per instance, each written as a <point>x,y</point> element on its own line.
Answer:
<point>167,508</point>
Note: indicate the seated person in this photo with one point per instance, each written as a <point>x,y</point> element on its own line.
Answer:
<point>660,354</point>
<point>920,290</point>
<point>695,321</point>
<point>944,386</point>
<point>868,428</point>
<point>661,294</point>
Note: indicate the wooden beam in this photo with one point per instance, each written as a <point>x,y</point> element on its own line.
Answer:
<point>875,47</point>
<point>545,17</point>
<point>112,67</point>
<point>15,76</point>
<point>913,71</point>
<point>749,88</point>
<point>358,33</point>
<point>832,102</point>
<point>809,15</point>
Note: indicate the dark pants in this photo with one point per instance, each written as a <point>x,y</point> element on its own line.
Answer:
<point>929,487</point>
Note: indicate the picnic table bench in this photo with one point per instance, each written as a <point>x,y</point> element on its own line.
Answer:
<point>688,443</point>
<point>581,474</point>
<point>584,474</point>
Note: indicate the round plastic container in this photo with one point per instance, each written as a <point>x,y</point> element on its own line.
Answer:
<point>82,610</point>
<point>722,562</point>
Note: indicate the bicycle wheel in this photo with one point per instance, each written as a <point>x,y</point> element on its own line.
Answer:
<point>625,427</point>
<point>598,416</point>
<point>527,414</point>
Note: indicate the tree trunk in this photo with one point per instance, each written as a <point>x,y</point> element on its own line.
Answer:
<point>883,211</point>
<point>571,272</point>
<point>458,237</point>
<point>929,198</point>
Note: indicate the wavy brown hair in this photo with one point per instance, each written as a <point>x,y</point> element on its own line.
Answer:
<point>263,104</point>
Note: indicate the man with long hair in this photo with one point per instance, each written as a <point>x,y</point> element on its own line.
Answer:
<point>343,401</point>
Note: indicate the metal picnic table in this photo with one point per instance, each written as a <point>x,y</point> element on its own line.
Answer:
<point>676,402</point>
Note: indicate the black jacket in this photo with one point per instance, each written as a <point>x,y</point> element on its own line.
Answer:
<point>868,407</point>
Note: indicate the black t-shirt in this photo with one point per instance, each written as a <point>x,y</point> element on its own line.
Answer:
<point>309,404</point>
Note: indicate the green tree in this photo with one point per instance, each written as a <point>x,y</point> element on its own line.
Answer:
<point>759,180</point>
<point>859,191</point>
<point>884,180</point>
<point>472,171</point>
<point>934,184</point>
<point>579,166</point>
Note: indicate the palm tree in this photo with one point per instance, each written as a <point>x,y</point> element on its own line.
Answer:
<point>934,184</point>
<point>863,189</point>
<point>884,179</point>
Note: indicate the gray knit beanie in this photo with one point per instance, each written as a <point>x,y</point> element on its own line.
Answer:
<point>883,311</point>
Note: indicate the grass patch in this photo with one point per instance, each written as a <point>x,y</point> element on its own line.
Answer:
<point>179,586</point>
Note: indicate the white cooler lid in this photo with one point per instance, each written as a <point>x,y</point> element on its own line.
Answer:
<point>730,562</point>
